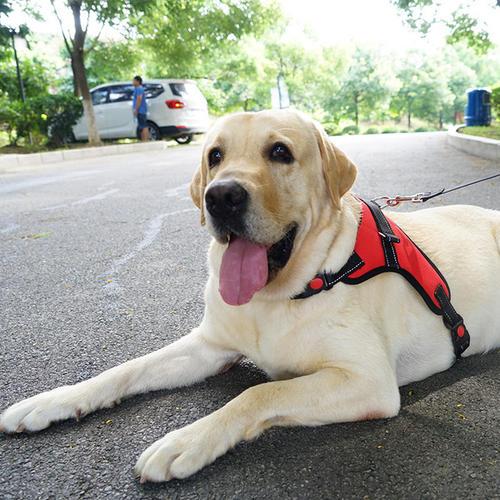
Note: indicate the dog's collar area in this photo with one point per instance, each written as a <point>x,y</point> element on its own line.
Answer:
<point>381,246</point>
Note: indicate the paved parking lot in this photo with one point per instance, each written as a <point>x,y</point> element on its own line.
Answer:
<point>103,260</point>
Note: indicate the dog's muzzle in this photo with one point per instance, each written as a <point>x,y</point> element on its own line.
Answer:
<point>227,203</point>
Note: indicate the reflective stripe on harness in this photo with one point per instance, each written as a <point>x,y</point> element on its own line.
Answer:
<point>381,246</point>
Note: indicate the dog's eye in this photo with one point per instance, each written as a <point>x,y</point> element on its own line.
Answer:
<point>281,153</point>
<point>214,157</point>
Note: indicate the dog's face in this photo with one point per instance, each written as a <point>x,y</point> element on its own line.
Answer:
<point>262,180</point>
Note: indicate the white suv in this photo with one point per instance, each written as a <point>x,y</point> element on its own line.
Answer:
<point>176,109</point>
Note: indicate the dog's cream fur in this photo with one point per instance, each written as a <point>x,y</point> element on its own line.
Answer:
<point>336,357</point>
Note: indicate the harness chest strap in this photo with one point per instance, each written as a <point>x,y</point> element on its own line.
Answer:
<point>381,246</point>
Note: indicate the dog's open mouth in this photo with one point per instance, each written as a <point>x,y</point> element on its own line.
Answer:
<point>247,267</point>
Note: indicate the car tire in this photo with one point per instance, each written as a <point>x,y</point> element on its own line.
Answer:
<point>184,139</point>
<point>154,132</point>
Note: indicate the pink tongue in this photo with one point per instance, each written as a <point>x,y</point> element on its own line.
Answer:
<point>243,271</point>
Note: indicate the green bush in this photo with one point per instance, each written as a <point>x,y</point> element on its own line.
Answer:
<point>495,100</point>
<point>47,118</point>
<point>8,118</point>
<point>372,130</point>
<point>59,113</point>
<point>331,128</point>
<point>422,129</point>
<point>389,130</point>
<point>350,130</point>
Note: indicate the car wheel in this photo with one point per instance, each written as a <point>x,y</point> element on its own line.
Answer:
<point>154,132</point>
<point>184,139</point>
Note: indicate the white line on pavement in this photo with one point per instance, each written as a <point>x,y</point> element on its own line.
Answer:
<point>9,228</point>
<point>41,181</point>
<point>82,201</point>
<point>177,191</point>
<point>151,233</point>
<point>99,196</point>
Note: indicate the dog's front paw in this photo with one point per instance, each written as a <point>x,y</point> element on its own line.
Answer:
<point>38,412</point>
<point>181,453</point>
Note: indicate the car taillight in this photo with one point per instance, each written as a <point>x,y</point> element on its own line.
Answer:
<point>174,104</point>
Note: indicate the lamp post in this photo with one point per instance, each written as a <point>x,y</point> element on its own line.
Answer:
<point>18,69</point>
<point>20,82</point>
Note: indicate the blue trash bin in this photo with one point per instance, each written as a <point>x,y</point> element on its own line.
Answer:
<point>478,108</point>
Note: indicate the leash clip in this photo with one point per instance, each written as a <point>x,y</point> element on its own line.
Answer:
<point>394,201</point>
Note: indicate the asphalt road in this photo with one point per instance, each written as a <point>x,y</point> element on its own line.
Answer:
<point>103,260</point>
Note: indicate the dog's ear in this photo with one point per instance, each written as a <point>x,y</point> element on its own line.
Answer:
<point>339,172</point>
<point>197,190</point>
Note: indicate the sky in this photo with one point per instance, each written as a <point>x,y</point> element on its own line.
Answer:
<point>374,23</point>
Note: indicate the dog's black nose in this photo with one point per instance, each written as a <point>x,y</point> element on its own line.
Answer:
<point>226,199</point>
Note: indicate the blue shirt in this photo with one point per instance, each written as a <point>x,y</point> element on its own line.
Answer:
<point>143,108</point>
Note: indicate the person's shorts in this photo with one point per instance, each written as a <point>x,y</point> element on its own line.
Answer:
<point>141,121</point>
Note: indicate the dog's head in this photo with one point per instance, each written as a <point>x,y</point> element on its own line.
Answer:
<point>264,179</point>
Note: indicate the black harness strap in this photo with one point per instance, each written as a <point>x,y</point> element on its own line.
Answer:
<point>454,322</point>
<point>326,281</point>
<point>388,237</point>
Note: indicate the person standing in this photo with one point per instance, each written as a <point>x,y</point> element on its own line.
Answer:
<point>140,108</point>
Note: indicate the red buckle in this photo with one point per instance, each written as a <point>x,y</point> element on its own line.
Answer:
<point>461,331</point>
<point>316,283</point>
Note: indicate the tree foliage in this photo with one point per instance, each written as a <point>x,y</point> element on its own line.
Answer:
<point>178,36</point>
<point>463,24</point>
<point>365,87</point>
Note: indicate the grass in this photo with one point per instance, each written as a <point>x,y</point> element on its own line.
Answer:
<point>491,132</point>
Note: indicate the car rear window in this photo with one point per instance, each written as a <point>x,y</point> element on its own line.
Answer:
<point>184,89</point>
<point>153,90</point>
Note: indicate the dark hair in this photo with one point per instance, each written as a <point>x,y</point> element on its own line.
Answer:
<point>138,78</point>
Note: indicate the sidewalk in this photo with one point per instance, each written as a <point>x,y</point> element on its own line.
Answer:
<point>16,160</point>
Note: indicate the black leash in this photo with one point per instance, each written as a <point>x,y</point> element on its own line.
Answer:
<point>394,201</point>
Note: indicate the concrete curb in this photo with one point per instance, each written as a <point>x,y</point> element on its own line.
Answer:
<point>15,160</point>
<point>477,146</point>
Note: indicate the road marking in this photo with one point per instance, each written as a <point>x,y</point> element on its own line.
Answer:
<point>177,191</point>
<point>42,181</point>
<point>99,196</point>
<point>82,201</point>
<point>9,228</point>
<point>106,184</point>
<point>53,207</point>
<point>151,233</point>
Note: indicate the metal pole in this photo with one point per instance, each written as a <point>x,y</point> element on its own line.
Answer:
<point>18,69</point>
<point>19,77</point>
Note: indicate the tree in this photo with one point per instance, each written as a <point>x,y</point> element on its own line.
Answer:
<point>430,95</point>
<point>462,23</point>
<point>365,86</point>
<point>237,78</point>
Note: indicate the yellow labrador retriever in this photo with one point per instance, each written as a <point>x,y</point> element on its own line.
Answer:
<point>274,193</point>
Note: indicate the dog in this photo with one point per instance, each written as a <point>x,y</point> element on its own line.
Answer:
<point>274,193</point>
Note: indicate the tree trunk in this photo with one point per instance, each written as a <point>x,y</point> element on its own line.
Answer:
<point>80,76</point>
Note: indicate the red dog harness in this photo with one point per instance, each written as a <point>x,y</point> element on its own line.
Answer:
<point>381,246</point>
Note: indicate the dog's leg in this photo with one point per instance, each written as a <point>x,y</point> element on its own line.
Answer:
<point>327,396</point>
<point>184,362</point>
